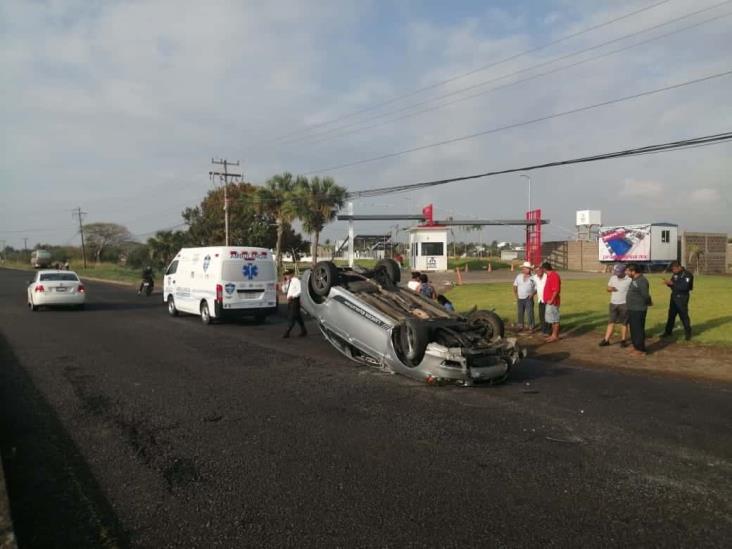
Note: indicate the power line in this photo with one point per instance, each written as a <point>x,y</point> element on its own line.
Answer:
<point>523,123</point>
<point>338,131</point>
<point>471,72</point>
<point>649,149</point>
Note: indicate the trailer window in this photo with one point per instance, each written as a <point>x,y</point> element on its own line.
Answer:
<point>666,236</point>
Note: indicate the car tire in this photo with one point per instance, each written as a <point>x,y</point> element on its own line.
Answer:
<point>393,271</point>
<point>493,323</point>
<point>80,307</point>
<point>172,310</point>
<point>205,313</point>
<point>323,277</point>
<point>32,307</point>
<point>413,340</point>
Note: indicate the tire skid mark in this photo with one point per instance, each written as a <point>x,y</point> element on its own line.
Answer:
<point>146,440</point>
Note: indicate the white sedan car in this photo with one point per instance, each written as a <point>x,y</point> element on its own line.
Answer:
<point>56,288</point>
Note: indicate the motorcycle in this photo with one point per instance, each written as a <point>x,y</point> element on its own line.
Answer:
<point>147,287</point>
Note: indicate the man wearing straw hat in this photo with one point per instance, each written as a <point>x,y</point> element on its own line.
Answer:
<point>524,289</point>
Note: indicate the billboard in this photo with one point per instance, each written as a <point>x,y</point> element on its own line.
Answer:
<point>625,243</point>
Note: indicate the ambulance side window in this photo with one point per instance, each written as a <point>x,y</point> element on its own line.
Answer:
<point>172,268</point>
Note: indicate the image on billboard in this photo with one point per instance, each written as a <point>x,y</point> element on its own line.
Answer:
<point>625,243</point>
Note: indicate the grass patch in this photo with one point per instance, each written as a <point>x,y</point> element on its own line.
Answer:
<point>108,271</point>
<point>585,304</point>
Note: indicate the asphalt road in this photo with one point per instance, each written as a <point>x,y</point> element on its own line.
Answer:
<point>121,426</point>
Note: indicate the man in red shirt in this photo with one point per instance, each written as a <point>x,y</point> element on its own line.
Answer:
<point>552,289</point>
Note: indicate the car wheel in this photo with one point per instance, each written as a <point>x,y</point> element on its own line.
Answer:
<point>392,269</point>
<point>413,340</point>
<point>80,307</point>
<point>205,313</point>
<point>490,321</point>
<point>172,310</point>
<point>32,307</point>
<point>323,277</point>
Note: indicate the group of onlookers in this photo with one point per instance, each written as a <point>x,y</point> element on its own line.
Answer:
<point>630,298</point>
<point>545,285</point>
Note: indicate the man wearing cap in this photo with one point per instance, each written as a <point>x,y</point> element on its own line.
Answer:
<point>292,288</point>
<point>617,286</point>
<point>524,289</point>
<point>681,283</point>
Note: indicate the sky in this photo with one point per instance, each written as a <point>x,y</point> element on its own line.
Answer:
<point>118,107</point>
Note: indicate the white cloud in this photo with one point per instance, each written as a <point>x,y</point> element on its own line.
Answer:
<point>641,189</point>
<point>705,195</point>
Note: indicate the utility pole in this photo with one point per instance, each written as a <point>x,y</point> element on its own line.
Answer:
<point>78,213</point>
<point>25,243</point>
<point>225,176</point>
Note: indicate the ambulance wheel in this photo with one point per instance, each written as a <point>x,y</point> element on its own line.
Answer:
<point>172,310</point>
<point>323,277</point>
<point>205,313</point>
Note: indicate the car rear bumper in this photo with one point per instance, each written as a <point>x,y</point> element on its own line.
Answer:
<point>60,299</point>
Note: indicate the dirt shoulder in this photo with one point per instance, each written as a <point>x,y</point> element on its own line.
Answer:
<point>665,356</point>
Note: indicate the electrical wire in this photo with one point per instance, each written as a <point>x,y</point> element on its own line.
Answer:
<point>649,149</point>
<point>471,72</point>
<point>338,131</point>
<point>522,123</point>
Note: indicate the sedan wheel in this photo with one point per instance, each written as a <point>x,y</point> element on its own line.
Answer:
<point>32,307</point>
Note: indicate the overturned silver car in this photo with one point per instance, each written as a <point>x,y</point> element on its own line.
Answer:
<point>370,319</point>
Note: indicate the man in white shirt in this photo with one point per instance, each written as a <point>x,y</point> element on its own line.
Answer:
<point>617,287</point>
<point>524,290</point>
<point>539,281</point>
<point>292,288</point>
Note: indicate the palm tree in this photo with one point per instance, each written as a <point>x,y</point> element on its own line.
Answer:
<point>317,202</point>
<point>276,199</point>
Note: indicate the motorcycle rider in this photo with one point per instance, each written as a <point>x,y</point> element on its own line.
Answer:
<point>147,276</point>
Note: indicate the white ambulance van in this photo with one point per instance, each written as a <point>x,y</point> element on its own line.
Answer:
<point>222,282</point>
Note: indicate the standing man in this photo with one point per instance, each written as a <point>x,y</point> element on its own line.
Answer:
<point>681,284</point>
<point>292,288</point>
<point>638,300</point>
<point>524,290</point>
<point>617,286</point>
<point>539,281</point>
<point>552,289</point>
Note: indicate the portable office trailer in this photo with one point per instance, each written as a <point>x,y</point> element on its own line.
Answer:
<point>649,243</point>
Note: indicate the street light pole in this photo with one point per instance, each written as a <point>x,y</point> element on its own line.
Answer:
<point>528,178</point>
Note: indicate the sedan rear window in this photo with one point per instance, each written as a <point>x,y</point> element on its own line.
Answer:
<point>59,277</point>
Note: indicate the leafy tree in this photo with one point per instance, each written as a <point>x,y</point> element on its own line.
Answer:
<point>164,245</point>
<point>247,226</point>
<point>317,202</point>
<point>101,236</point>
<point>276,200</point>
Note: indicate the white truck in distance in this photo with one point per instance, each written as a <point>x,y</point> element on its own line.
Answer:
<point>222,282</point>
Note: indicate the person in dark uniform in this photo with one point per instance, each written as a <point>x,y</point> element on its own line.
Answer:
<point>681,284</point>
<point>292,289</point>
<point>637,301</point>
